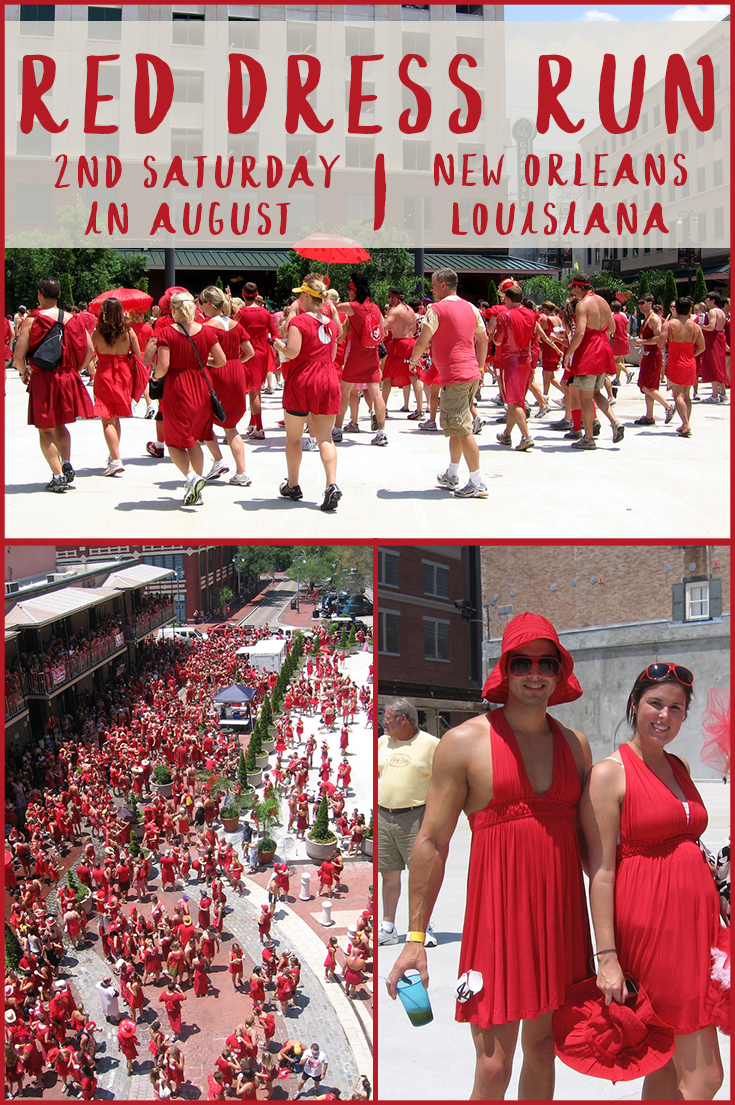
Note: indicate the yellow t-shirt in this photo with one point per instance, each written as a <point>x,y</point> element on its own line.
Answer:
<point>404,770</point>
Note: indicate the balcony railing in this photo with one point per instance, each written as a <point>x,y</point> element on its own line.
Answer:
<point>14,703</point>
<point>145,622</point>
<point>69,667</point>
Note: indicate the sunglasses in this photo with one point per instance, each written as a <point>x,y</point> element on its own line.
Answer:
<point>522,665</point>
<point>656,672</point>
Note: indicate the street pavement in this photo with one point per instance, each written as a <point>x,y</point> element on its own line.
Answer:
<point>652,485</point>
<point>437,1061</point>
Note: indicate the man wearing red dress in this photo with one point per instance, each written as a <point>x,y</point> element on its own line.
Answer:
<point>591,357</point>
<point>518,775</point>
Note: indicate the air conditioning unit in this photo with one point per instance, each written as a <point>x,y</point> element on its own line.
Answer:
<point>11,587</point>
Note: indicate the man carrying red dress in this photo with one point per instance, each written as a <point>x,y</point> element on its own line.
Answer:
<point>518,775</point>
<point>591,357</point>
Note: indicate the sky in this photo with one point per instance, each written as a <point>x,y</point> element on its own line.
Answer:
<point>562,13</point>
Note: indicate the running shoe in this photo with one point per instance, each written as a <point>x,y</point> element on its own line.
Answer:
<point>331,497</point>
<point>387,936</point>
<point>543,411</point>
<point>381,438</point>
<point>428,425</point>
<point>373,421</point>
<point>196,495</point>
<point>504,439</point>
<point>309,445</point>
<point>574,435</point>
<point>416,416</point>
<point>267,391</point>
<point>525,444</point>
<point>288,492</point>
<point>472,491</point>
<point>150,411</point>
<point>57,484</point>
<point>596,427</point>
<point>430,939</point>
<point>114,468</point>
<point>445,480</point>
<point>562,424</point>
<point>241,479</point>
<point>497,402</point>
<point>670,412</point>
<point>629,375</point>
<point>219,468</point>
<point>68,472</point>
<point>477,425</point>
<point>352,428</point>
<point>336,435</point>
<point>583,443</point>
<point>618,433</point>
<point>257,435</point>
<point>711,399</point>
<point>154,450</point>
<point>650,421</point>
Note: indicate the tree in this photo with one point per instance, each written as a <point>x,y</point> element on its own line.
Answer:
<point>224,595</point>
<point>90,271</point>
<point>266,713</point>
<point>492,294</point>
<point>343,638</point>
<point>321,833</point>
<point>700,286</point>
<point>13,950</point>
<point>539,288</point>
<point>251,765</point>
<point>352,639</point>
<point>670,292</point>
<point>218,282</point>
<point>242,773</point>
<point>66,299</point>
<point>134,846</point>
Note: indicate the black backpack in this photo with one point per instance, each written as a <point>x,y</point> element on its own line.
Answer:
<point>50,351</point>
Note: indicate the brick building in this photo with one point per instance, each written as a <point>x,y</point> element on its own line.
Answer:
<point>429,630</point>
<point>618,608</point>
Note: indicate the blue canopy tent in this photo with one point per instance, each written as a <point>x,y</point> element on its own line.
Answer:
<point>235,695</point>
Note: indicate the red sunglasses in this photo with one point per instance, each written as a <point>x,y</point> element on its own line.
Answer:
<point>657,672</point>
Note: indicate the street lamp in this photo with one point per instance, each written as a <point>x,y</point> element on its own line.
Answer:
<point>299,560</point>
<point>690,216</point>
<point>236,562</point>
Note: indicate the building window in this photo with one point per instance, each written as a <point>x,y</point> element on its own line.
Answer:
<point>644,123</point>
<point>104,23</point>
<point>242,145</point>
<point>301,38</point>
<point>416,42</point>
<point>243,34</point>
<point>469,9</point>
<point>360,40</point>
<point>473,47</point>
<point>188,28</point>
<point>360,153</point>
<point>359,207</point>
<point>102,145</point>
<point>719,223</point>
<point>37,143</point>
<point>186,144</point>
<point>368,89</point>
<point>387,568</point>
<point>717,173</point>
<point>436,639</point>
<point>411,212</point>
<point>37,19</point>
<point>33,203</point>
<point>697,601</point>
<point>436,580</point>
<point>303,211</point>
<point>417,156</point>
<point>211,559</point>
<point>701,179</point>
<point>388,633</point>
<point>684,141</point>
<point>717,126</point>
<point>188,86</point>
<point>657,115</point>
<point>301,147</point>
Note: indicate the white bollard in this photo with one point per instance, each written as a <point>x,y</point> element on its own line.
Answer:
<point>326,917</point>
<point>351,934</point>
<point>304,894</point>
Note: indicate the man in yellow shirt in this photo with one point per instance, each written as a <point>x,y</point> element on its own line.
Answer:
<point>405,758</point>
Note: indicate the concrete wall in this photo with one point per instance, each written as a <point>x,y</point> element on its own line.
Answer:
<point>24,561</point>
<point>607,662</point>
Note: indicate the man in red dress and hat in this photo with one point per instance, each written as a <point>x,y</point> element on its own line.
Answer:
<point>518,775</point>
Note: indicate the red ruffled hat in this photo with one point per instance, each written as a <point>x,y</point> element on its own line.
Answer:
<point>618,1042</point>
<point>519,632</point>
<point>126,1029</point>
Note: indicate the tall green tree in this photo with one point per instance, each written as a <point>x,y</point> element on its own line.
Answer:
<point>700,286</point>
<point>492,293</point>
<point>670,291</point>
<point>66,299</point>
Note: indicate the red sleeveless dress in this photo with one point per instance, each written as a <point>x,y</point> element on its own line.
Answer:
<point>230,381</point>
<point>667,909</point>
<point>525,927</point>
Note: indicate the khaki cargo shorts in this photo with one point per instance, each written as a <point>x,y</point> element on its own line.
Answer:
<point>396,834</point>
<point>588,383</point>
<point>454,405</point>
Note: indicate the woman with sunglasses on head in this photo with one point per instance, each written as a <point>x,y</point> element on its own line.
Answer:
<point>654,904</point>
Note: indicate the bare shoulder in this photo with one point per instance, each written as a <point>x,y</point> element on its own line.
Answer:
<point>459,743</point>
<point>609,774</point>
<point>579,745</point>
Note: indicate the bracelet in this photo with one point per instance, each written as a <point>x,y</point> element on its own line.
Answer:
<point>604,952</point>
<point>416,937</point>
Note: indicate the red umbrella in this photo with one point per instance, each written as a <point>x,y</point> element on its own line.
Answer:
<point>131,299</point>
<point>332,248</point>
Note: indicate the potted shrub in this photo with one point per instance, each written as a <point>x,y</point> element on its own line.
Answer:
<point>82,893</point>
<point>162,781</point>
<point>265,722</point>
<point>256,742</point>
<point>253,772</point>
<point>367,840</point>
<point>321,841</point>
<point>230,814</point>
<point>267,812</point>
<point>13,950</point>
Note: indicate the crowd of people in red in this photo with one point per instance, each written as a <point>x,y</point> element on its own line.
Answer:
<point>67,787</point>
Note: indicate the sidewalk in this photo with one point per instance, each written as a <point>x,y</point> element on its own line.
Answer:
<point>413,1062</point>
<point>388,491</point>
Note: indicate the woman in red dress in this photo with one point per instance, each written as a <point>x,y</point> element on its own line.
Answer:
<point>187,416</point>
<point>655,907</point>
<point>236,958</point>
<point>362,360</point>
<point>259,324</point>
<point>311,390</point>
<point>201,978</point>
<point>684,341</point>
<point>229,382</point>
<point>119,378</point>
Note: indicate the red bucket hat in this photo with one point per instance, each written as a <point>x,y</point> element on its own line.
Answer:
<point>519,632</point>
<point>618,1042</point>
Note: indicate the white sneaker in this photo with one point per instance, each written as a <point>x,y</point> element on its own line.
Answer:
<point>472,491</point>
<point>114,468</point>
<point>309,445</point>
<point>219,468</point>
<point>428,425</point>
<point>430,941</point>
<point>387,936</point>
<point>445,480</point>
<point>150,411</point>
<point>257,435</point>
<point>241,479</point>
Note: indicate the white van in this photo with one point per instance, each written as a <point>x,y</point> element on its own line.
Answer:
<point>182,633</point>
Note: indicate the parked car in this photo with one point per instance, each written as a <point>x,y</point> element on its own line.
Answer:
<point>359,605</point>
<point>182,633</point>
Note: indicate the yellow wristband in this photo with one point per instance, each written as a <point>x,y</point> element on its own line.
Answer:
<point>416,937</point>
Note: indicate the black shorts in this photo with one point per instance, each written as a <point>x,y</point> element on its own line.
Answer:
<point>297,414</point>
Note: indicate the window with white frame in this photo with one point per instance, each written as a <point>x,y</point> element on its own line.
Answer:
<point>416,155</point>
<point>359,40</point>
<point>104,23</point>
<point>37,19</point>
<point>359,153</point>
<point>186,143</point>
<point>436,639</point>
<point>436,580</point>
<point>387,568</point>
<point>697,601</point>
<point>301,38</point>
<point>188,28</point>
<point>388,633</point>
<point>188,86</point>
<point>242,33</point>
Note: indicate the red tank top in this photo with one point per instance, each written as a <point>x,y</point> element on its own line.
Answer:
<point>453,342</point>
